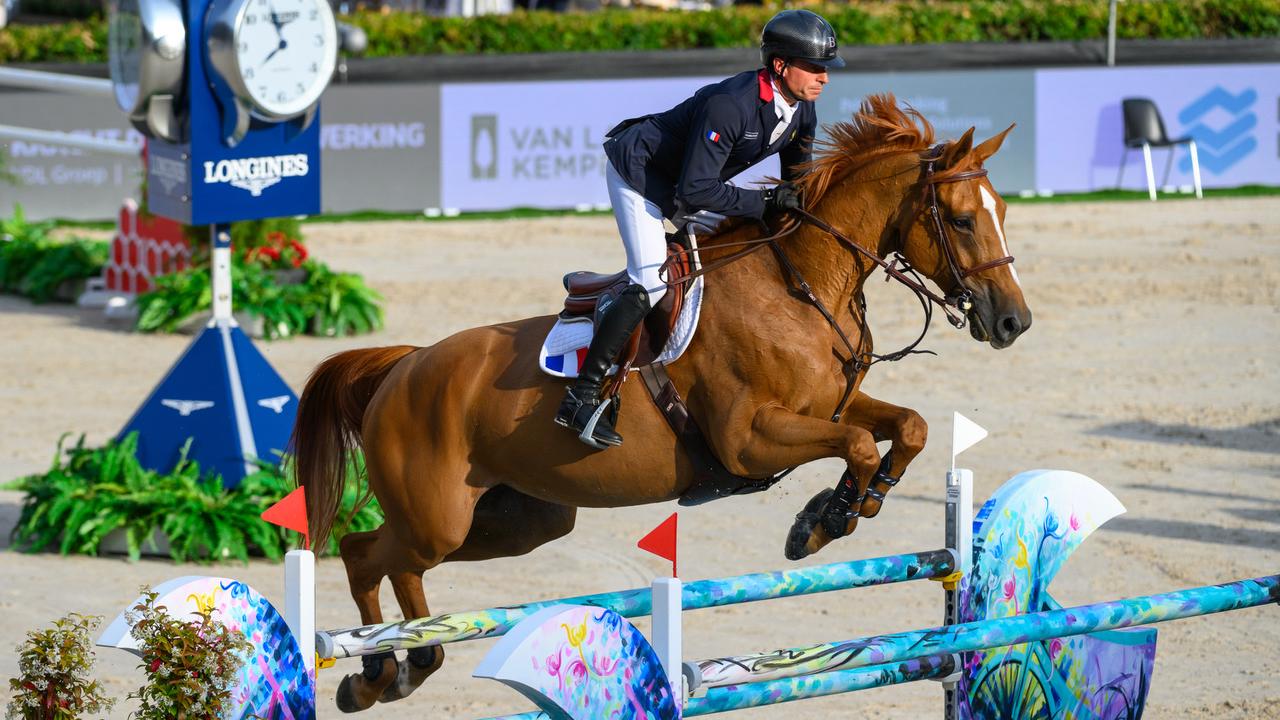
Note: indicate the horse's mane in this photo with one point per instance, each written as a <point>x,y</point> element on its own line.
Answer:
<point>879,128</point>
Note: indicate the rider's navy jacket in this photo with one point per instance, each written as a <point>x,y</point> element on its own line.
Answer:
<point>687,153</point>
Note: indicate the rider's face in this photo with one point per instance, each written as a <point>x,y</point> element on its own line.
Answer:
<point>803,80</point>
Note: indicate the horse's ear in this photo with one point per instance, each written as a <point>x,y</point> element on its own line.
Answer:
<point>957,149</point>
<point>991,145</point>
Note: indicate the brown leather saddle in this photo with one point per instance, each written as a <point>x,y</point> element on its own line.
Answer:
<point>590,294</point>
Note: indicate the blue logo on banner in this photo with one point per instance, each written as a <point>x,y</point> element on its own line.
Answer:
<point>1223,147</point>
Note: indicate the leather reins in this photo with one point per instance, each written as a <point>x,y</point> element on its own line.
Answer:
<point>955,305</point>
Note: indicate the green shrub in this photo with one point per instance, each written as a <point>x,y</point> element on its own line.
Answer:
<point>53,672</point>
<point>33,265</point>
<point>323,303</point>
<point>191,665</point>
<point>87,493</point>
<point>870,22</point>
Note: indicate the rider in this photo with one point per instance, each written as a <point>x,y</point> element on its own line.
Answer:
<point>683,158</point>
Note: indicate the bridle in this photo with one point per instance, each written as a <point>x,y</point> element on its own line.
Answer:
<point>955,304</point>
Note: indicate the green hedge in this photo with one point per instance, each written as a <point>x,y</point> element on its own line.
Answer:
<point>882,22</point>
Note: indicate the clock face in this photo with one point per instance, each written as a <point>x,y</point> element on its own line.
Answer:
<point>285,51</point>
<point>125,43</point>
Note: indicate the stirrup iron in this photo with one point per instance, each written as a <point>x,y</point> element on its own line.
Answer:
<point>588,434</point>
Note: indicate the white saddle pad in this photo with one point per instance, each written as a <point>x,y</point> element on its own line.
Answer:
<point>566,345</point>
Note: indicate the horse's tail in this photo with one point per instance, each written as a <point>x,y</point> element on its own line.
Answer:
<point>327,432</point>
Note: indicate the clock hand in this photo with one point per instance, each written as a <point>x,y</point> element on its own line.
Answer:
<point>283,44</point>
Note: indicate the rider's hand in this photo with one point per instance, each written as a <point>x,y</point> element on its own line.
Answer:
<point>782,197</point>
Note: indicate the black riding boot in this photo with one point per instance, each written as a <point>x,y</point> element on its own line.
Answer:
<point>582,401</point>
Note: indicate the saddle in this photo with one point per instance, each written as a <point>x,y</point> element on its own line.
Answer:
<point>590,294</point>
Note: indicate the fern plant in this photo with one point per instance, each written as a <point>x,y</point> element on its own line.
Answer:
<point>90,492</point>
<point>324,303</point>
<point>34,265</point>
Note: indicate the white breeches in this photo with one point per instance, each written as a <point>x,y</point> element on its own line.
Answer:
<point>643,235</point>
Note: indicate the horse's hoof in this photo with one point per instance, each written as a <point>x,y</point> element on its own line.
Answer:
<point>348,697</point>
<point>798,537</point>
<point>798,546</point>
<point>420,664</point>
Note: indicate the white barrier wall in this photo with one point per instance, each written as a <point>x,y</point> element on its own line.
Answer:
<point>492,146</point>
<point>1232,111</point>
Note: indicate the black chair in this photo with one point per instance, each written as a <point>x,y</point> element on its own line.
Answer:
<point>1143,128</point>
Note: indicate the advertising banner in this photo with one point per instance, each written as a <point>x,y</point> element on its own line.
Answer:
<point>1230,110</point>
<point>54,181</point>
<point>506,145</point>
<point>987,100</point>
<point>380,147</point>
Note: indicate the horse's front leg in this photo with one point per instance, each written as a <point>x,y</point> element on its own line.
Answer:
<point>903,427</point>
<point>780,438</point>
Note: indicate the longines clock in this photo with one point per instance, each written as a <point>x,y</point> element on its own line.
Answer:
<point>148,47</point>
<point>270,60</point>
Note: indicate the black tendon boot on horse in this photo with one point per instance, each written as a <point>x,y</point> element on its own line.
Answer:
<point>582,407</point>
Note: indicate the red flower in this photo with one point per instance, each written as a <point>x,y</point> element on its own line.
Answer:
<point>155,665</point>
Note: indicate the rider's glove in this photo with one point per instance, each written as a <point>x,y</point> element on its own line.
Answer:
<point>782,197</point>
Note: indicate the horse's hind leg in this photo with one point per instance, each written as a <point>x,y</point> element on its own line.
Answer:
<point>361,690</point>
<point>421,662</point>
<point>505,523</point>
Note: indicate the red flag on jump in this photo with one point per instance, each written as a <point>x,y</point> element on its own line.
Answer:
<point>291,513</point>
<point>661,541</point>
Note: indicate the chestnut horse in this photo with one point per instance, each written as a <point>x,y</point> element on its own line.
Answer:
<point>458,439</point>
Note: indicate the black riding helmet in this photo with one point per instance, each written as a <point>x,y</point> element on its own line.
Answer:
<point>800,35</point>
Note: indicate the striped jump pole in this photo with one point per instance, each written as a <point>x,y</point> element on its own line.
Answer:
<point>986,634</point>
<point>773,692</point>
<point>457,627</point>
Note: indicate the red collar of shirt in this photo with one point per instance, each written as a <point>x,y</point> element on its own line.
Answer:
<point>766,85</point>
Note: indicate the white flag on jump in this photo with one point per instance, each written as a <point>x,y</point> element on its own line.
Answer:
<point>965,434</point>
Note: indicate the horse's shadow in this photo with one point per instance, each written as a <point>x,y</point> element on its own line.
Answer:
<point>1198,532</point>
<point>1262,436</point>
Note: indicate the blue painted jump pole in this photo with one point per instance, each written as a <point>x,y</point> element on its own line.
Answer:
<point>457,627</point>
<point>773,692</point>
<point>986,634</point>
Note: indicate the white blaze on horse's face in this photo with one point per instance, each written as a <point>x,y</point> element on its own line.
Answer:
<point>989,204</point>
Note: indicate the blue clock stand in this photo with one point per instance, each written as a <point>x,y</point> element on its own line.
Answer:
<point>222,396</point>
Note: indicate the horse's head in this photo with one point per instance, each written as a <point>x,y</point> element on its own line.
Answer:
<point>952,230</point>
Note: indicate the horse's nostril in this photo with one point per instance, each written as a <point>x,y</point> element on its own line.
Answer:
<point>1010,326</point>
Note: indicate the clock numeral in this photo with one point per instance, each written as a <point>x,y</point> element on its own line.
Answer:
<point>301,87</point>
<point>262,90</point>
<point>248,73</point>
<point>319,40</point>
<point>315,14</point>
<point>244,47</point>
<point>315,67</point>
<point>282,96</point>
<point>250,18</point>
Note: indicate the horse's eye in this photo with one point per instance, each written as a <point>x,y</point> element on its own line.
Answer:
<point>962,222</point>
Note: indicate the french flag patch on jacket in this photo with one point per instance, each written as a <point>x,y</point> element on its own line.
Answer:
<point>713,136</point>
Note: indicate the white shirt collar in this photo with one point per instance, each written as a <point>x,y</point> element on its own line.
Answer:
<point>781,107</point>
